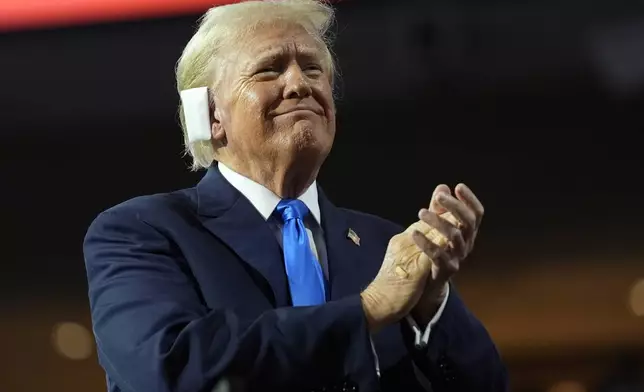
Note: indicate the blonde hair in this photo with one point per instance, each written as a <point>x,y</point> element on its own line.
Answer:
<point>221,28</point>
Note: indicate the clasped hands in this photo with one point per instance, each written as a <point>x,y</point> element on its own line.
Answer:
<point>420,261</point>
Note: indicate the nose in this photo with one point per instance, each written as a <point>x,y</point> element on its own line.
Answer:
<point>297,84</point>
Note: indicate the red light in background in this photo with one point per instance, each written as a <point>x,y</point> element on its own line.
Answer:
<point>29,14</point>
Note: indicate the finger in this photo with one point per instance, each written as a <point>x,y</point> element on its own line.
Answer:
<point>429,248</point>
<point>444,265</point>
<point>430,232</point>
<point>465,194</point>
<point>434,206</point>
<point>461,211</point>
<point>439,274</point>
<point>445,268</point>
<point>456,242</point>
<point>449,217</point>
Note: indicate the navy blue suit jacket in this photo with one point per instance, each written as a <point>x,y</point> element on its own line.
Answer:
<point>188,287</point>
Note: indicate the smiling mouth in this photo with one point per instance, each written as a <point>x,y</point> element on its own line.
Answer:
<point>302,110</point>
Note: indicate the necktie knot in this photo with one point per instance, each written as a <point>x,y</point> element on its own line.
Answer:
<point>292,209</point>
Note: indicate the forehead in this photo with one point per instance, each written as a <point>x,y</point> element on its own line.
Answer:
<point>276,39</point>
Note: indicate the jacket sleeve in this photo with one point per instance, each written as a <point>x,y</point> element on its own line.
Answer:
<point>154,333</point>
<point>460,355</point>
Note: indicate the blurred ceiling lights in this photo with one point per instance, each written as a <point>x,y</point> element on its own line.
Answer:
<point>637,298</point>
<point>72,341</point>
<point>568,386</point>
<point>619,56</point>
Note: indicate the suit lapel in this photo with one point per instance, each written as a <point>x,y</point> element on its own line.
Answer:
<point>233,219</point>
<point>351,270</point>
<point>347,275</point>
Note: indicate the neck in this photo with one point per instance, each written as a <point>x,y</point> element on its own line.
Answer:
<point>286,181</point>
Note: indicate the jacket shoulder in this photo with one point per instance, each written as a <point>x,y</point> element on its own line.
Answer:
<point>150,208</point>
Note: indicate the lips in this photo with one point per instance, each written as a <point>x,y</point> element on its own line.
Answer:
<point>302,108</point>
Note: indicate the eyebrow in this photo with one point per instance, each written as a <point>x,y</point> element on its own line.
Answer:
<point>307,52</point>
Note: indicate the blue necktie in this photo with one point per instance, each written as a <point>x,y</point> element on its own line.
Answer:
<point>305,277</point>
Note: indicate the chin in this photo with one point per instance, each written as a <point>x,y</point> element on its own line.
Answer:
<point>308,136</point>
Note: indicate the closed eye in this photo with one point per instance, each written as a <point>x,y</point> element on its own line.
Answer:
<point>266,70</point>
<point>313,70</point>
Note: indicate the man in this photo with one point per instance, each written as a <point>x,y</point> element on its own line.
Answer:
<point>254,276</point>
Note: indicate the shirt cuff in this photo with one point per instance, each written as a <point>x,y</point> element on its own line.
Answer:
<point>375,357</point>
<point>421,338</point>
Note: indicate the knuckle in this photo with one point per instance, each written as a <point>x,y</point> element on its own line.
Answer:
<point>426,245</point>
<point>436,256</point>
<point>395,240</point>
<point>460,238</point>
<point>431,251</point>
<point>471,216</point>
<point>454,234</point>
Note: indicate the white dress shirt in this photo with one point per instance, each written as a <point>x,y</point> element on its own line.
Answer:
<point>265,201</point>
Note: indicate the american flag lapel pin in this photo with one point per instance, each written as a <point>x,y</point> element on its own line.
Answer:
<point>353,237</point>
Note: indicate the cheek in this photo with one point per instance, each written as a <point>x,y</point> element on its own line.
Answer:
<point>326,98</point>
<point>330,110</point>
<point>258,102</point>
<point>250,103</point>
<point>251,116</point>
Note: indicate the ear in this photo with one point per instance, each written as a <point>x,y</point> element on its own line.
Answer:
<point>217,129</point>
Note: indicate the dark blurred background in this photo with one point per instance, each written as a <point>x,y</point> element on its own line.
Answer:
<point>537,106</point>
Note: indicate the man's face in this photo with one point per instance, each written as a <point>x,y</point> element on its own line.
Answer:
<point>275,102</point>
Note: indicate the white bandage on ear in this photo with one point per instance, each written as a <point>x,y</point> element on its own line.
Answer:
<point>196,111</point>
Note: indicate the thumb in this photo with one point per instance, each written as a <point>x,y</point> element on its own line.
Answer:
<point>443,270</point>
<point>421,247</point>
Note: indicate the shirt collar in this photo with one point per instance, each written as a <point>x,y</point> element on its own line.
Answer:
<point>264,200</point>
